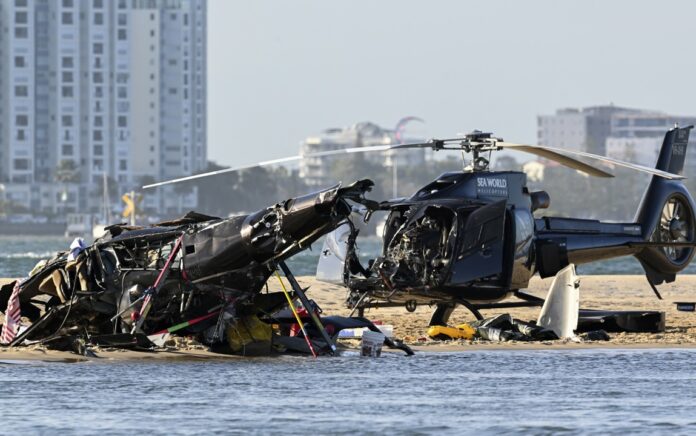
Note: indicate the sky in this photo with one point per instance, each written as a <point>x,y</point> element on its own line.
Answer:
<point>279,71</point>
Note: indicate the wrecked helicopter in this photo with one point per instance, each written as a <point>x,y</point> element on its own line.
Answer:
<point>470,237</point>
<point>198,275</point>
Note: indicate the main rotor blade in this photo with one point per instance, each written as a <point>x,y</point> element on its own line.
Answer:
<point>223,171</point>
<point>275,161</point>
<point>556,157</point>
<point>534,148</point>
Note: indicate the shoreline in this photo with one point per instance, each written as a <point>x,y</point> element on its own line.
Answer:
<point>20,355</point>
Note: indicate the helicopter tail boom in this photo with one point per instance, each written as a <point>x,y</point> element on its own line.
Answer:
<point>666,214</point>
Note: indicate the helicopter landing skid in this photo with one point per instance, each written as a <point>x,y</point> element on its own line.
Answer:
<point>443,311</point>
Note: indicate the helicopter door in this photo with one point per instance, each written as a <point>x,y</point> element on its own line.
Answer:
<point>480,251</point>
<point>333,256</point>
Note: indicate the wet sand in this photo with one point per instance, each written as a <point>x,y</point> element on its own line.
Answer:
<point>596,292</point>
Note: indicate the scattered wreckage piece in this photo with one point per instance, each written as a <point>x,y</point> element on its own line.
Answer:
<point>616,321</point>
<point>198,275</point>
<point>499,328</point>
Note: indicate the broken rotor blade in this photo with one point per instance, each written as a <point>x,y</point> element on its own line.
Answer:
<point>541,150</point>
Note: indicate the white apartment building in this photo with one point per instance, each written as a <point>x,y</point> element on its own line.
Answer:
<point>101,86</point>
<point>316,171</point>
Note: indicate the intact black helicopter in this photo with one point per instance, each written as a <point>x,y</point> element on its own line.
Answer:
<point>470,237</point>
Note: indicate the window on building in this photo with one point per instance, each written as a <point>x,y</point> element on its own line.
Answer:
<point>20,135</point>
<point>67,120</point>
<point>98,4</point>
<point>67,3</point>
<point>21,17</point>
<point>98,92</point>
<point>97,135</point>
<point>152,17</point>
<point>122,92</point>
<point>97,77</point>
<point>173,91</point>
<point>122,121</point>
<point>67,91</point>
<point>98,18</point>
<point>98,121</point>
<point>122,165</point>
<point>97,164</point>
<point>67,149</point>
<point>66,62</point>
<point>22,120</point>
<point>122,36</point>
<point>66,135</point>
<point>67,76</point>
<point>122,19</point>
<point>122,4</point>
<point>97,62</point>
<point>98,48</point>
<point>21,164</point>
<point>66,18</point>
<point>98,150</point>
<point>122,78</point>
<point>185,19</point>
<point>21,32</point>
<point>21,91</point>
<point>19,62</point>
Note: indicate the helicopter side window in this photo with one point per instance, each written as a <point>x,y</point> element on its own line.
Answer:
<point>483,227</point>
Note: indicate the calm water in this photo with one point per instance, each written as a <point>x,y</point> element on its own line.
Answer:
<point>538,392</point>
<point>18,255</point>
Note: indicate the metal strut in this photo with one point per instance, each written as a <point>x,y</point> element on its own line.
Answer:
<point>305,302</point>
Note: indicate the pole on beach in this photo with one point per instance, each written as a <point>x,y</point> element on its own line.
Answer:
<point>297,317</point>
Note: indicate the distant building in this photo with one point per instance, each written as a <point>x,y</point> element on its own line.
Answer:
<point>637,137</point>
<point>89,87</point>
<point>317,171</point>
<point>633,135</point>
<point>583,129</point>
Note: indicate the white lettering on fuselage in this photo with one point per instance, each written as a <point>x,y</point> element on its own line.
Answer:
<point>491,186</point>
<point>491,183</point>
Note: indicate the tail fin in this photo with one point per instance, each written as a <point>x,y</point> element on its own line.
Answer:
<point>673,151</point>
<point>666,213</point>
